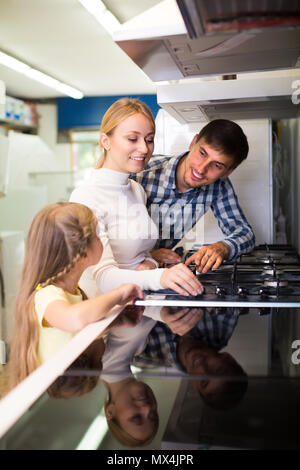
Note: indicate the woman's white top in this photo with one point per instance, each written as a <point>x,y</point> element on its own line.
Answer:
<point>125,229</point>
<point>121,346</point>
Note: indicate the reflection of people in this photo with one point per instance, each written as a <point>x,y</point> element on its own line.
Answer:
<point>61,244</point>
<point>198,353</point>
<point>223,382</point>
<point>74,382</point>
<point>183,188</point>
<point>83,374</point>
<point>127,232</point>
<point>131,410</point>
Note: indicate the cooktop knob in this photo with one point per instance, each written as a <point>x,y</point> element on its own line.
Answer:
<point>220,291</point>
<point>264,311</point>
<point>242,292</point>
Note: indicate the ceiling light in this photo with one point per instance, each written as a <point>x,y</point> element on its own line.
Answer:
<point>41,77</point>
<point>13,63</point>
<point>102,14</point>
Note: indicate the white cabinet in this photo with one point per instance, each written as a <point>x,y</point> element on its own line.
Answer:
<point>2,99</point>
<point>12,250</point>
<point>3,165</point>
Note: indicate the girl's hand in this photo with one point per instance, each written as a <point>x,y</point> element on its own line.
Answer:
<point>128,293</point>
<point>130,316</point>
<point>146,265</point>
<point>181,279</point>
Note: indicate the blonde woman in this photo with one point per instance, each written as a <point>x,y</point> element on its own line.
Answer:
<point>127,232</point>
<point>50,308</point>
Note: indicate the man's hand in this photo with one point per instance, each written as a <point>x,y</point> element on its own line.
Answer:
<point>163,255</point>
<point>146,265</point>
<point>209,257</point>
<point>181,321</point>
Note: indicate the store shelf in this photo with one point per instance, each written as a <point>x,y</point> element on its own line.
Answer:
<point>18,126</point>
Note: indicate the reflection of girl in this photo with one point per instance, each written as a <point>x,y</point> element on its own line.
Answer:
<point>131,411</point>
<point>74,382</point>
<point>61,244</point>
<point>127,232</point>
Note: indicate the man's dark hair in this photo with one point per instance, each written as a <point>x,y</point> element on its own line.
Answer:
<point>226,137</point>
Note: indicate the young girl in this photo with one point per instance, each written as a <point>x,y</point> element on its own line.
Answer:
<point>127,232</point>
<point>61,244</point>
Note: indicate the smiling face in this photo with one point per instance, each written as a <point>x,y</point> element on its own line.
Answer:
<point>203,165</point>
<point>130,145</point>
<point>135,410</point>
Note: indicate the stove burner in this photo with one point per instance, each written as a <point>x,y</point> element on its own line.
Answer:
<point>265,260</point>
<point>272,271</point>
<point>273,282</point>
<point>269,254</point>
<point>271,292</point>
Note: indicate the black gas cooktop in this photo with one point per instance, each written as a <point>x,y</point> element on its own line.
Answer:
<point>268,277</point>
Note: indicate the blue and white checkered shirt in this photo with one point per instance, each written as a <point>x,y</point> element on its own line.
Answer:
<point>214,328</point>
<point>176,213</point>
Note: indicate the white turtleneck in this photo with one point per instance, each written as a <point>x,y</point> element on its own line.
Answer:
<point>125,228</point>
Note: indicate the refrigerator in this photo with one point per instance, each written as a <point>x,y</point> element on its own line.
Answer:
<point>12,248</point>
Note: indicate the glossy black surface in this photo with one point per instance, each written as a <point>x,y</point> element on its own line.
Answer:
<point>264,415</point>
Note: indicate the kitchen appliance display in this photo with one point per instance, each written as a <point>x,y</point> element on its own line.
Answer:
<point>268,277</point>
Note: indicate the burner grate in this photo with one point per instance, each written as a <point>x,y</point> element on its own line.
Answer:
<point>267,277</point>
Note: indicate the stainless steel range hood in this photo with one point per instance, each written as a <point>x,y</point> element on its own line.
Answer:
<point>159,40</point>
<point>214,39</point>
<point>275,97</point>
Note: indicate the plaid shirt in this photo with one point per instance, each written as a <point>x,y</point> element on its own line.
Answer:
<point>176,213</point>
<point>214,328</point>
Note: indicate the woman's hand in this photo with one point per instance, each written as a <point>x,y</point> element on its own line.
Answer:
<point>181,279</point>
<point>146,265</point>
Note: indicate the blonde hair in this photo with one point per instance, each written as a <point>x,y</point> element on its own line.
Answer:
<point>58,237</point>
<point>73,385</point>
<point>122,436</point>
<point>118,112</point>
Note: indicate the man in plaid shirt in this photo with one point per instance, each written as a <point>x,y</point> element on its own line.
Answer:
<point>208,325</point>
<point>220,381</point>
<point>180,190</point>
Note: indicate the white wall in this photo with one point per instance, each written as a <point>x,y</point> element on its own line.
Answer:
<point>47,114</point>
<point>252,180</point>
